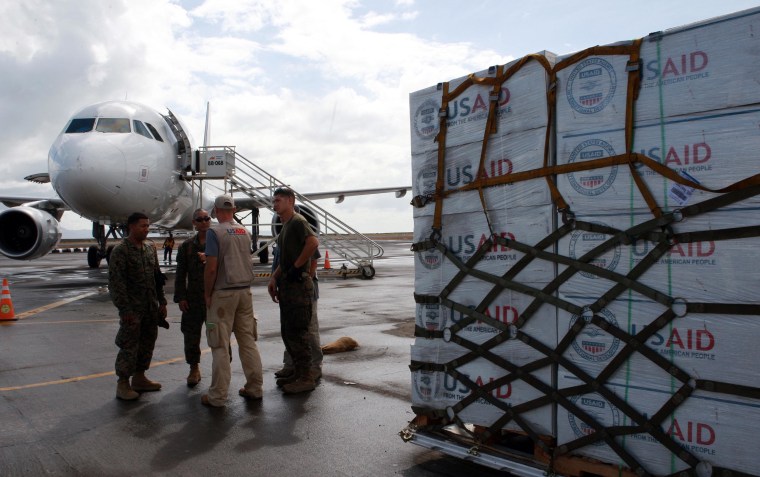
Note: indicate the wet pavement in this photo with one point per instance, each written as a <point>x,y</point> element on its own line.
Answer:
<point>59,416</point>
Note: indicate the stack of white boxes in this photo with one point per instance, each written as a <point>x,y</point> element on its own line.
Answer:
<point>698,112</point>
<point>521,211</point>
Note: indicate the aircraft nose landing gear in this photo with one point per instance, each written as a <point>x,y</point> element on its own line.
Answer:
<point>96,253</point>
<point>93,257</point>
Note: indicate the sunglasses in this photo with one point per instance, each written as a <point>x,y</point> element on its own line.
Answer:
<point>202,219</point>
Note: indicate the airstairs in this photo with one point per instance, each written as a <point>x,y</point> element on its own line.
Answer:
<point>244,176</point>
<point>184,149</point>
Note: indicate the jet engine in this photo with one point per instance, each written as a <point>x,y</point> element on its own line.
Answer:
<point>308,214</point>
<point>27,233</point>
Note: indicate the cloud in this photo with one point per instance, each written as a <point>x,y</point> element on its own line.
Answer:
<point>236,17</point>
<point>334,113</point>
<point>317,93</point>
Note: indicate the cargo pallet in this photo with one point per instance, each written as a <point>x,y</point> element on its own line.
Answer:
<point>583,298</point>
<point>512,451</point>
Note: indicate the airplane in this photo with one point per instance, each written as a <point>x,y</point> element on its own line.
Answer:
<point>112,159</point>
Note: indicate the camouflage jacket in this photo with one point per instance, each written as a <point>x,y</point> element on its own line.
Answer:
<point>188,280</point>
<point>132,278</point>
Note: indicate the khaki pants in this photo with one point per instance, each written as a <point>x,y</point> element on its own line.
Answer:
<point>232,312</point>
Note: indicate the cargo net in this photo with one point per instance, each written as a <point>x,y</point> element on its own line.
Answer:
<point>610,373</point>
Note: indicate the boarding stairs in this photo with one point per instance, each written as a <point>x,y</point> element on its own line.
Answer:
<point>334,235</point>
<point>184,149</point>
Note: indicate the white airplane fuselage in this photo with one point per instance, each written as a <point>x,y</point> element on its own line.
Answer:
<point>116,158</point>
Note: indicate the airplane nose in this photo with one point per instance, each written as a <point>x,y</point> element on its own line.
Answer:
<point>87,171</point>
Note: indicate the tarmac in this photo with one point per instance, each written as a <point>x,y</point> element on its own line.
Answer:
<point>59,415</point>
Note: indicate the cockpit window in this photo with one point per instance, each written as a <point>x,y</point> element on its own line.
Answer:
<point>80,125</point>
<point>155,133</point>
<point>113,125</point>
<point>141,129</point>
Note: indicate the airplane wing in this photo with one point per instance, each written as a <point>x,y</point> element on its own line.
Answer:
<point>39,178</point>
<point>340,196</point>
<point>36,202</point>
<point>53,206</point>
<point>248,203</point>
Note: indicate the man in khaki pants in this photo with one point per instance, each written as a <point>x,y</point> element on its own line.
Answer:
<point>229,303</point>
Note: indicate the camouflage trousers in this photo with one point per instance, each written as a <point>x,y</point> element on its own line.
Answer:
<point>192,329</point>
<point>295,317</point>
<point>314,342</point>
<point>136,340</point>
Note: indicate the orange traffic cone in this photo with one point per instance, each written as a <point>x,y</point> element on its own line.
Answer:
<point>327,260</point>
<point>6,305</point>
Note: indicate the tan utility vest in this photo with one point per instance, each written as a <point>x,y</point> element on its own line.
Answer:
<point>235,264</point>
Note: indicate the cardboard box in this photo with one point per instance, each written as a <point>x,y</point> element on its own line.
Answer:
<point>717,347</point>
<point>505,154</point>
<point>716,271</point>
<point>712,149</point>
<point>707,66</point>
<point>439,390</point>
<point>506,307</point>
<point>522,105</point>
<point>464,233</point>
<point>716,429</point>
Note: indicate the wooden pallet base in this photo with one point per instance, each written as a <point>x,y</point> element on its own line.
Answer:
<point>576,466</point>
<point>567,465</point>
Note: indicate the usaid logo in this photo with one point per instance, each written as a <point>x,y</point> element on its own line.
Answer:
<point>595,181</point>
<point>426,119</point>
<point>430,259</point>
<point>426,179</point>
<point>429,316</point>
<point>426,385</point>
<point>591,85</point>
<point>597,407</point>
<point>582,242</point>
<point>593,344</point>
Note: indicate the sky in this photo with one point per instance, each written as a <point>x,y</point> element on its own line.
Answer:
<point>314,92</point>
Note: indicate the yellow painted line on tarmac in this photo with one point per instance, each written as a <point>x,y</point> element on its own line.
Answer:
<point>89,376</point>
<point>59,381</point>
<point>67,322</point>
<point>328,272</point>
<point>56,304</point>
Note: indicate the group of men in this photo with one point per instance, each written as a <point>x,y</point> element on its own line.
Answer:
<point>213,286</point>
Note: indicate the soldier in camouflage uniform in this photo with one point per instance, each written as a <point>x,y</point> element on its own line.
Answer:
<point>132,272</point>
<point>188,292</point>
<point>292,287</point>
<point>317,357</point>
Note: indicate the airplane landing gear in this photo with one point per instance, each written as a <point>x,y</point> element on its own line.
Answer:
<point>93,257</point>
<point>264,254</point>
<point>96,253</point>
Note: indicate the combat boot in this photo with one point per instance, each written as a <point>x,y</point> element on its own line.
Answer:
<point>287,380</point>
<point>142,384</point>
<point>195,375</point>
<point>285,372</point>
<point>124,391</point>
<point>315,373</point>
<point>301,385</point>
